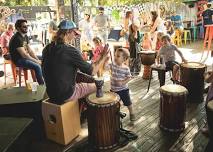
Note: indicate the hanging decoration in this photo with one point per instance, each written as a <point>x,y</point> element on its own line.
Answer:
<point>5,12</point>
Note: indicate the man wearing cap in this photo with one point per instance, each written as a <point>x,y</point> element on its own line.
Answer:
<point>61,62</point>
<point>102,24</point>
<point>21,53</point>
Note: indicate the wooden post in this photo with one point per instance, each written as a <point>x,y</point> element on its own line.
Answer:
<point>60,9</point>
<point>74,15</point>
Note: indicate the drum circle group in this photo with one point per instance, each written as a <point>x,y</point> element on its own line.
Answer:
<point>103,108</point>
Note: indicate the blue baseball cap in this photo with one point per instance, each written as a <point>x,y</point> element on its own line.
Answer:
<point>67,25</point>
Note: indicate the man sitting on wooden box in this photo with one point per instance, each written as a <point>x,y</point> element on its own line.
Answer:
<point>61,62</point>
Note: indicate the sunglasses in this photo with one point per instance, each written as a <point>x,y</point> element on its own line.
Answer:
<point>25,26</point>
<point>75,32</point>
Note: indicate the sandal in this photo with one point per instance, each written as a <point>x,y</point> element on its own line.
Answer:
<point>128,134</point>
<point>175,81</point>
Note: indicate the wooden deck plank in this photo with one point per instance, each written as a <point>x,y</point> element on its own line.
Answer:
<point>166,140</point>
<point>170,139</point>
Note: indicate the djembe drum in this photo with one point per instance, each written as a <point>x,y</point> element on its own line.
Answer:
<point>209,113</point>
<point>173,107</point>
<point>147,59</point>
<point>103,121</point>
<point>192,77</point>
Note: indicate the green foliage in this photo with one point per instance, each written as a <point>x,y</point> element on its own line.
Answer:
<point>67,2</point>
<point>130,2</point>
<point>116,14</point>
<point>25,2</point>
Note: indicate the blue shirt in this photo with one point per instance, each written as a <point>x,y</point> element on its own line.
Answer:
<point>177,19</point>
<point>207,17</point>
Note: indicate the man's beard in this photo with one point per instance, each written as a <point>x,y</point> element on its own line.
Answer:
<point>23,31</point>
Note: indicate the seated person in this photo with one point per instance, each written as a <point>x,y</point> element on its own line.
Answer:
<point>5,39</point>
<point>21,53</point>
<point>60,64</point>
<point>167,53</point>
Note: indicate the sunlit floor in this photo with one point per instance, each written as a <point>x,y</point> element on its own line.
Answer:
<point>193,52</point>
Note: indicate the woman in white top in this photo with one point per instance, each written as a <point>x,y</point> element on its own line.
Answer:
<point>85,26</point>
<point>157,25</point>
<point>126,23</point>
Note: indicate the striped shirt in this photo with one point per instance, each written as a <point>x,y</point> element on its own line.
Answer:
<point>119,73</point>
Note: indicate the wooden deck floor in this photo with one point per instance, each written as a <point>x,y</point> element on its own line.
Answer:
<point>151,137</point>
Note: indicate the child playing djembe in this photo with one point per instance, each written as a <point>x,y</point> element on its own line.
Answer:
<point>120,76</point>
<point>167,53</point>
<point>96,54</point>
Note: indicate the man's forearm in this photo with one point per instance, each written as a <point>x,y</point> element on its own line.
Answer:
<point>27,56</point>
<point>30,51</point>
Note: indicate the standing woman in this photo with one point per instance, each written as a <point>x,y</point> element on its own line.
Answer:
<point>85,26</point>
<point>134,48</point>
<point>157,25</point>
<point>127,22</point>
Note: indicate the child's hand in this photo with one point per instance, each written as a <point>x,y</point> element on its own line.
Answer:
<point>105,51</point>
<point>184,60</point>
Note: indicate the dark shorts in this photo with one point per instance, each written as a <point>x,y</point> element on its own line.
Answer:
<point>125,97</point>
<point>170,65</point>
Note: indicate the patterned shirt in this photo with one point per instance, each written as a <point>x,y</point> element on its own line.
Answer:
<point>168,52</point>
<point>119,73</point>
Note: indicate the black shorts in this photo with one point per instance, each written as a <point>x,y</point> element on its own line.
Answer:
<point>170,65</point>
<point>125,97</point>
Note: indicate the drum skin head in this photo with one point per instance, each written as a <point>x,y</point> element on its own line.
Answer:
<point>193,65</point>
<point>108,98</point>
<point>173,89</point>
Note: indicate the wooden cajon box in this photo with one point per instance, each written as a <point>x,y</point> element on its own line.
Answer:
<point>62,122</point>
